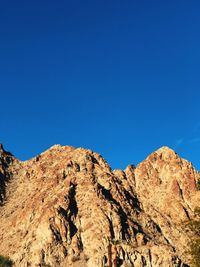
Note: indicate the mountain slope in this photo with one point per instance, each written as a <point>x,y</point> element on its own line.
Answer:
<point>66,207</point>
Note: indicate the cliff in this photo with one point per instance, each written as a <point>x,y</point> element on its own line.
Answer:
<point>66,207</point>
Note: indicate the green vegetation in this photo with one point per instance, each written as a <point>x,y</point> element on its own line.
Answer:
<point>5,262</point>
<point>198,184</point>
<point>116,241</point>
<point>194,226</point>
<point>195,252</point>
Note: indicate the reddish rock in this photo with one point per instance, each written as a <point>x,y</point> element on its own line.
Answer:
<point>66,206</point>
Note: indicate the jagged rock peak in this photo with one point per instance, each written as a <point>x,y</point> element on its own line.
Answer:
<point>165,154</point>
<point>2,150</point>
<point>165,150</point>
<point>1,146</point>
<point>70,155</point>
<point>130,167</point>
<point>5,154</point>
<point>66,207</point>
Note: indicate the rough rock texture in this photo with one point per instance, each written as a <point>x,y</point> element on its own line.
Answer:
<point>66,207</point>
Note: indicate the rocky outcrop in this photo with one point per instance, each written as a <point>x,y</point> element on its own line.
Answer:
<point>66,207</point>
<point>6,161</point>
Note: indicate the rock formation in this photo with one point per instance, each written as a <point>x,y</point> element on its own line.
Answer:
<point>66,207</point>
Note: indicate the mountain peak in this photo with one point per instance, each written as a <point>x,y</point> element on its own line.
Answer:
<point>164,153</point>
<point>2,148</point>
<point>165,150</point>
<point>66,207</point>
<point>4,153</point>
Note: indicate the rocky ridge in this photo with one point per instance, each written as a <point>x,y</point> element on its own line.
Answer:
<point>66,207</point>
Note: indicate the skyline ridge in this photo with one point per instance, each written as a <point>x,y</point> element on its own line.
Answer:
<point>161,150</point>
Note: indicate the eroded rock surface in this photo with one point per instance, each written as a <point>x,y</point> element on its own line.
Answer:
<point>66,207</point>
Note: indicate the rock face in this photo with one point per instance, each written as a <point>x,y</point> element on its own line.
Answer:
<point>66,207</point>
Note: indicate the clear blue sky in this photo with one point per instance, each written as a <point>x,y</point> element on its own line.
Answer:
<point>119,77</point>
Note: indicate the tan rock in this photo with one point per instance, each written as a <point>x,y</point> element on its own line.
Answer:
<point>65,206</point>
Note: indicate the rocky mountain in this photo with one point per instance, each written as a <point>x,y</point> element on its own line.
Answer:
<point>66,207</point>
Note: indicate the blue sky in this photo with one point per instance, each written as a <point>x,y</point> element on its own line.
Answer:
<point>118,77</point>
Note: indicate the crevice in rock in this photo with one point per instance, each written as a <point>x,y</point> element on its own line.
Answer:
<point>124,224</point>
<point>112,233</point>
<point>43,258</point>
<point>185,201</point>
<point>68,214</point>
<point>5,176</point>
<point>180,190</point>
<point>132,200</point>
<point>3,180</point>
<point>123,217</point>
<point>137,228</point>
<point>143,260</point>
<point>73,210</point>
<point>107,194</point>
<point>63,212</point>
<point>186,212</point>
<point>94,160</point>
<point>79,243</point>
<point>150,258</point>
<point>56,234</point>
